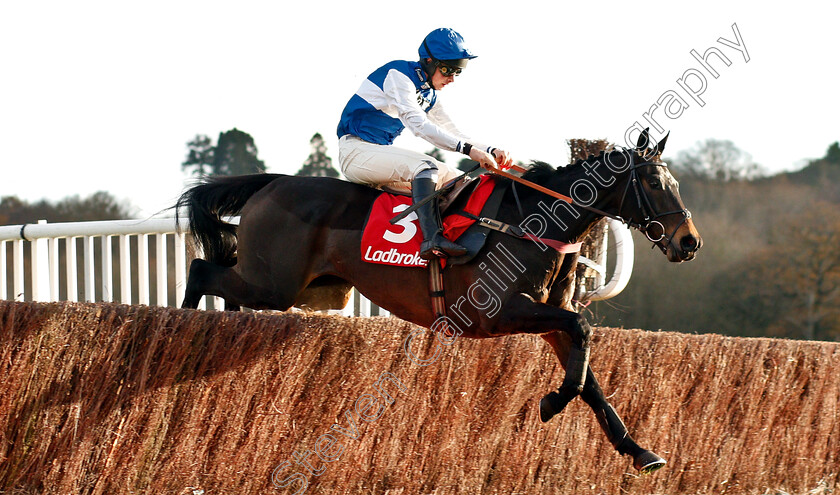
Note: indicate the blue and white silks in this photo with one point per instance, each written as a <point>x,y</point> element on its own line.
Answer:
<point>394,97</point>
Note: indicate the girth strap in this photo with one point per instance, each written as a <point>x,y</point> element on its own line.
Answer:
<point>518,232</point>
<point>436,291</point>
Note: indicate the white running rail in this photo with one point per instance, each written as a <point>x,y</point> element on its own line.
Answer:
<point>624,257</point>
<point>45,281</point>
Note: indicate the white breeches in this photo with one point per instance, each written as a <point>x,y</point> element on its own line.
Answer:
<point>384,165</point>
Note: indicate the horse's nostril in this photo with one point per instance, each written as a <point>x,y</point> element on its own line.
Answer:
<point>688,243</point>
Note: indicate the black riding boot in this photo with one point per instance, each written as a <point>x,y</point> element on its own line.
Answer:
<point>434,244</point>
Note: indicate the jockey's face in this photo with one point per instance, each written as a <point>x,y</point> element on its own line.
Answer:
<point>439,80</point>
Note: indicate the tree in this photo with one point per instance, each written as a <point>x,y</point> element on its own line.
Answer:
<point>318,164</point>
<point>791,288</point>
<point>98,206</point>
<point>833,153</point>
<point>199,155</point>
<point>234,154</point>
<point>718,160</point>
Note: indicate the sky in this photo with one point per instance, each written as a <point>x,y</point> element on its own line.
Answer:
<point>104,95</point>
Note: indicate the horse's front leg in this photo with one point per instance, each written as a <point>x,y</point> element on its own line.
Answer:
<point>643,460</point>
<point>521,314</point>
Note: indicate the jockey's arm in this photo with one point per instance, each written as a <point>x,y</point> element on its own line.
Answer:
<point>495,156</point>
<point>436,127</point>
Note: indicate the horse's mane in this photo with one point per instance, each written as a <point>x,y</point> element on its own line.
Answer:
<point>539,172</point>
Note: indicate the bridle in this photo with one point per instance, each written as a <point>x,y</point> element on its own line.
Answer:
<point>651,216</point>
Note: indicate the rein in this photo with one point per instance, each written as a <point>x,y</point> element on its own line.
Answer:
<point>642,200</point>
<point>547,191</point>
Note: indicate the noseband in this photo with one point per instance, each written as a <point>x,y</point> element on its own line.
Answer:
<point>647,210</point>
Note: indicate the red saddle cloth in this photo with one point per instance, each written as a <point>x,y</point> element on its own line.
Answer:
<point>399,244</point>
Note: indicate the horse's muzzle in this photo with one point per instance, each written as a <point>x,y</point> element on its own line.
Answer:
<point>684,249</point>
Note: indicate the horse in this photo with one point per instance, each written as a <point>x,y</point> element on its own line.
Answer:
<point>298,244</point>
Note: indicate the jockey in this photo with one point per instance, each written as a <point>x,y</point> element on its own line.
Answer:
<point>404,94</point>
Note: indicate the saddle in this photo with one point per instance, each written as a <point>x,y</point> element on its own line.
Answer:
<point>399,244</point>
<point>464,226</point>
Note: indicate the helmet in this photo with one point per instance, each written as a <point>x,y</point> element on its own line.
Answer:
<point>446,45</point>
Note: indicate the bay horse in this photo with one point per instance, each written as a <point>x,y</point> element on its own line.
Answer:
<point>298,244</point>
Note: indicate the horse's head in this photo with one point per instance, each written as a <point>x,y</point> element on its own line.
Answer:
<point>648,198</point>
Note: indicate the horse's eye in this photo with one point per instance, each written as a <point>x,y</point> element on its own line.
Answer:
<point>655,184</point>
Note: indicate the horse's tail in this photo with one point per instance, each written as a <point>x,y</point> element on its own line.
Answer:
<point>212,199</point>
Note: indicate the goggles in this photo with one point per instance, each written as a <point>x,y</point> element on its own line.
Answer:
<point>448,70</point>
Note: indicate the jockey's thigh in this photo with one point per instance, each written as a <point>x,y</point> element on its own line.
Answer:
<point>384,165</point>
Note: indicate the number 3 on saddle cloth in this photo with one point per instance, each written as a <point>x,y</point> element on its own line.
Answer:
<point>399,244</point>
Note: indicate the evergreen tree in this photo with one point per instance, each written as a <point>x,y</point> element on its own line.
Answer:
<point>199,155</point>
<point>318,164</point>
<point>235,154</point>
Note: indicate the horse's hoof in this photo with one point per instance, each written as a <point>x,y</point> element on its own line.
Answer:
<point>648,462</point>
<point>546,412</point>
<point>552,404</point>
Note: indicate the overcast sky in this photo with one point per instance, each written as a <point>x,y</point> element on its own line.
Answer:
<point>98,95</point>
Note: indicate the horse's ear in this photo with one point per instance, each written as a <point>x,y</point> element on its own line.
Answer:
<point>660,147</point>
<point>644,139</point>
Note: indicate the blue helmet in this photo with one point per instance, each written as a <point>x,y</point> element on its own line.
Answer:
<point>446,45</point>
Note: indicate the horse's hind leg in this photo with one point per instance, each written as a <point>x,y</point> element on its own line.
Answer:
<point>643,460</point>
<point>207,278</point>
<point>521,314</point>
<point>203,279</point>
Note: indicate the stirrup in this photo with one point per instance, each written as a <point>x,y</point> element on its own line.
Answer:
<point>432,253</point>
<point>440,247</point>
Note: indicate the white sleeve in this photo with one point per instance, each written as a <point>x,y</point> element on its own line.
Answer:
<point>441,118</point>
<point>403,96</point>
